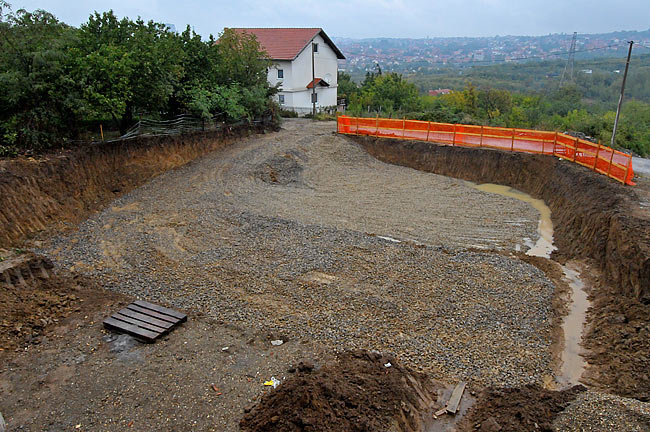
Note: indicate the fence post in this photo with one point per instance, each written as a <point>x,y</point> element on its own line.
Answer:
<point>596,159</point>
<point>337,122</point>
<point>357,131</point>
<point>512,144</point>
<point>554,143</point>
<point>609,168</point>
<point>428,129</point>
<point>453,141</point>
<point>543,142</point>
<point>403,127</point>
<point>575,150</point>
<point>480,144</point>
<point>377,126</point>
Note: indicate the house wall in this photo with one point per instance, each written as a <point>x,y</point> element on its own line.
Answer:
<point>272,75</point>
<point>297,74</point>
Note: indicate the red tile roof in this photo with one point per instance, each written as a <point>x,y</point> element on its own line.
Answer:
<point>287,43</point>
<point>439,92</point>
<point>319,81</point>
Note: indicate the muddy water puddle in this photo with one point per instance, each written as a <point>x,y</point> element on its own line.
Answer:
<point>572,362</point>
<point>543,247</point>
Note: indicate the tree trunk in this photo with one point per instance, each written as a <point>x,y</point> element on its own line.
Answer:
<point>127,119</point>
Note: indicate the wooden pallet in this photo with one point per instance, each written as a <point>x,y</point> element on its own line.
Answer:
<point>144,320</point>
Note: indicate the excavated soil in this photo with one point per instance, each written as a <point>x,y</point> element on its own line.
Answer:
<point>360,391</point>
<point>349,251</point>
<point>618,344</point>
<point>304,237</point>
<point>527,408</point>
<point>59,190</point>
<point>39,300</point>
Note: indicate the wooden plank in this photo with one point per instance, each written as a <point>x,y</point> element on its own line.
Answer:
<point>163,310</point>
<point>147,326</point>
<point>140,333</point>
<point>454,400</point>
<point>152,313</point>
<point>146,318</point>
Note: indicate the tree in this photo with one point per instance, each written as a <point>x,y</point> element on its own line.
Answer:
<point>56,79</point>
<point>127,67</point>
<point>346,87</point>
<point>226,78</point>
<point>241,59</point>
<point>389,92</point>
<point>494,102</point>
<point>40,102</point>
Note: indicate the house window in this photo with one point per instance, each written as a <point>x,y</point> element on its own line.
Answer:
<point>280,73</point>
<point>315,47</point>
<point>281,99</point>
<point>314,97</point>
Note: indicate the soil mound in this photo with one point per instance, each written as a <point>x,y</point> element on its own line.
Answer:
<point>285,169</point>
<point>526,408</point>
<point>360,391</point>
<point>34,298</point>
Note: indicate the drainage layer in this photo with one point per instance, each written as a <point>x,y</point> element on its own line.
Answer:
<point>593,217</point>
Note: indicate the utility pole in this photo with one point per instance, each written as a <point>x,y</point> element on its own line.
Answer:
<point>313,83</point>
<point>620,99</point>
<point>570,62</point>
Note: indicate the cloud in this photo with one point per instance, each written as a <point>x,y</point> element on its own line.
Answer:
<point>373,18</point>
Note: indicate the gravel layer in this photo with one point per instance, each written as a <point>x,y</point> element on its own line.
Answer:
<point>281,233</point>
<point>593,411</point>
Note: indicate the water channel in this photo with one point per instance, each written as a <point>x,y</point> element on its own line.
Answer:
<point>573,364</point>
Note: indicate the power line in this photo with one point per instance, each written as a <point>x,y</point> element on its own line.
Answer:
<point>570,62</point>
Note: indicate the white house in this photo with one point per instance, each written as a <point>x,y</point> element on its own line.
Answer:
<point>290,49</point>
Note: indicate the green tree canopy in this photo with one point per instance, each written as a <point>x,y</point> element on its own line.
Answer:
<point>55,80</point>
<point>40,102</point>
<point>127,67</point>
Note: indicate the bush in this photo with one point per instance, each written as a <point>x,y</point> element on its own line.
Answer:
<point>288,113</point>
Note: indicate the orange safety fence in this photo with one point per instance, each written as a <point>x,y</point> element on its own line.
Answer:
<point>599,158</point>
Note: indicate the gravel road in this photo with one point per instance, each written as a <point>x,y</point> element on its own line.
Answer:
<point>593,411</point>
<point>284,233</point>
<point>641,166</point>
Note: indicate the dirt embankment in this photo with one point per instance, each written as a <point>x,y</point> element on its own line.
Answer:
<point>35,299</point>
<point>529,408</point>
<point>593,216</point>
<point>41,194</point>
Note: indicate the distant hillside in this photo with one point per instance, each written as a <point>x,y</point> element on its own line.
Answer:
<point>417,55</point>
<point>599,80</point>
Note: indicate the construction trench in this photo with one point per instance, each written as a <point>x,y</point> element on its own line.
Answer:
<point>357,253</point>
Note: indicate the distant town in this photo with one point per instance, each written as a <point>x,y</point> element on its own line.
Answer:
<point>415,55</point>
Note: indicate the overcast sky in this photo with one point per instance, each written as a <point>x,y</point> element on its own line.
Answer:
<point>372,18</point>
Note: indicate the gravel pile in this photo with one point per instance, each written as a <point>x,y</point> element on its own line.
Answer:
<point>592,411</point>
<point>301,257</point>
